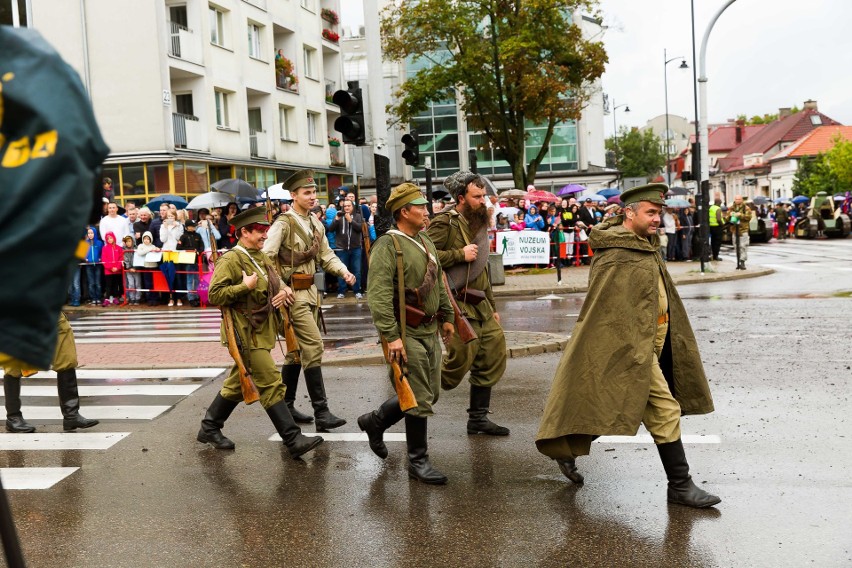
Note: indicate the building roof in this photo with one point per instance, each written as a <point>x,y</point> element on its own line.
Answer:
<point>820,139</point>
<point>722,138</point>
<point>788,129</point>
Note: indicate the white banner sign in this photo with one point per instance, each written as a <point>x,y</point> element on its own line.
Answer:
<point>524,247</point>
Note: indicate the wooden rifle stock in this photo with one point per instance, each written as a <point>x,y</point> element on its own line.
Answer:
<point>250,393</point>
<point>290,334</point>
<point>463,327</point>
<point>400,381</point>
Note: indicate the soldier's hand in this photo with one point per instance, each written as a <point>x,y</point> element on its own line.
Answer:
<point>279,299</point>
<point>289,296</point>
<point>470,252</point>
<point>447,331</point>
<point>250,281</point>
<point>396,351</point>
<point>496,317</point>
<point>349,278</point>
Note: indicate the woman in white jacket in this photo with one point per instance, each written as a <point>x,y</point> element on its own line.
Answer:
<point>170,232</point>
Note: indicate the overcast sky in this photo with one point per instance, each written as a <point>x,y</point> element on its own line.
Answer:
<point>762,55</point>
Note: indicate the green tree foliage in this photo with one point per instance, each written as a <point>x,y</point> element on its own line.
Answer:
<point>828,171</point>
<point>766,118</point>
<point>636,154</point>
<point>511,61</point>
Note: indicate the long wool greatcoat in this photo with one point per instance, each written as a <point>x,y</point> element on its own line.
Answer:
<point>602,382</point>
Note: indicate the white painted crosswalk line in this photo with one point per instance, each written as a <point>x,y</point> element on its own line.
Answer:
<point>116,390</point>
<point>190,373</point>
<point>96,412</point>
<point>61,440</point>
<point>34,477</point>
<point>346,436</point>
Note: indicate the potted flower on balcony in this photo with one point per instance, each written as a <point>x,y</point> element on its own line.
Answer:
<point>329,15</point>
<point>333,142</point>
<point>285,73</point>
<point>331,36</point>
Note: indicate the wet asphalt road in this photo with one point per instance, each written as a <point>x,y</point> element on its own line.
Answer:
<point>776,350</point>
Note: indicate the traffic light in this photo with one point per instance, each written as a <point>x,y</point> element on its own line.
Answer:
<point>411,154</point>
<point>351,122</point>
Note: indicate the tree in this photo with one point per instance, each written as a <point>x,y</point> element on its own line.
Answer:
<point>512,63</point>
<point>637,153</point>
<point>830,171</point>
<point>766,118</point>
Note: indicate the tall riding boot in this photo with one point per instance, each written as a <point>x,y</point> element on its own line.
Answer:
<point>682,490</point>
<point>15,422</point>
<point>316,389</point>
<point>478,422</point>
<point>375,423</point>
<point>568,467</point>
<point>214,421</point>
<point>69,401</point>
<point>296,442</point>
<point>419,467</point>
<point>290,378</point>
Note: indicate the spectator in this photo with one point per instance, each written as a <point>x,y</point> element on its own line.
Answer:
<point>142,225</point>
<point>109,192</point>
<point>586,218</point>
<point>519,224</point>
<point>206,227</point>
<point>142,250</point>
<point>191,240</point>
<point>685,234</point>
<point>330,216</point>
<point>554,228</point>
<point>502,223</point>
<point>157,224</point>
<point>170,232</point>
<point>114,223</point>
<point>347,228</point>
<point>568,217</point>
<point>132,280</point>
<point>130,206</point>
<point>74,292</point>
<point>92,267</point>
<point>669,222</point>
<point>112,257</point>
<point>371,221</point>
<point>229,238</point>
<point>533,220</point>
<point>132,219</point>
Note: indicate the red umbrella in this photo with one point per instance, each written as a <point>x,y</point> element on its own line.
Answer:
<point>614,199</point>
<point>540,195</point>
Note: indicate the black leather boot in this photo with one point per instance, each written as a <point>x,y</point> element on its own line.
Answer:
<point>69,402</point>
<point>296,442</point>
<point>568,467</point>
<point>214,421</point>
<point>15,422</point>
<point>290,378</point>
<point>375,423</point>
<point>478,422</point>
<point>316,390</point>
<point>419,467</point>
<point>682,490</point>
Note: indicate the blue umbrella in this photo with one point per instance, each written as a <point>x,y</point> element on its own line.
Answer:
<point>594,197</point>
<point>569,189</point>
<point>611,192</point>
<point>782,200</point>
<point>801,199</point>
<point>675,202</point>
<point>176,200</point>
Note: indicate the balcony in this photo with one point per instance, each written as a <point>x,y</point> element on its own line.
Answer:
<point>188,132</point>
<point>184,44</point>
<point>336,159</point>
<point>330,87</point>
<point>260,144</point>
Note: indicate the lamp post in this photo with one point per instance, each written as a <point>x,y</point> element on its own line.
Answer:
<point>683,65</point>
<point>615,127</point>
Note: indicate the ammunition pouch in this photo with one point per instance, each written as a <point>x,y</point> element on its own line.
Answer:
<point>470,296</point>
<point>415,317</point>
<point>300,281</point>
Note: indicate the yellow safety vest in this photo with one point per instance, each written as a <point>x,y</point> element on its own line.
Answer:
<point>714,221</point>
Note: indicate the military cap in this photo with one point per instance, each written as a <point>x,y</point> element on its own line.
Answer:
<point>249,216</point>
<point>459,181</point>
<point>652,192</point>
<point>302,178</point>
<point>404,194</point>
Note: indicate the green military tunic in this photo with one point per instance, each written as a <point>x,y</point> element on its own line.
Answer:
<point>304,311</point>
<point>228,290</point>
<point>64,356</point>
<point>421,343</point>
<point>485,357</point>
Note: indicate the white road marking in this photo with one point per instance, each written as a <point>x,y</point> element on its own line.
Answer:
<point>97,412</point>
<point>194,373</point>
<point>346,436</point>
<point>116,390</point>
<point>34,477</point>
<point>61,440</point>
<point>647,439</point>
<point>785,267</point>
<point>550,297</point>
<point>187,339</point>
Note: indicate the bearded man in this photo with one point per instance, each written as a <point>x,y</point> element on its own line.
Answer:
<point>460,235</point>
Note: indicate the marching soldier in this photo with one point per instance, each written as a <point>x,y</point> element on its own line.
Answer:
<point>297,245</point>
<point>245,283</point>
<point>65,365</point>
<point>407,252</point>
<point>461,236</point>
<point>739,216</point>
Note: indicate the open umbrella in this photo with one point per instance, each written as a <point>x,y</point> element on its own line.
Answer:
<point>677,191</point>
<point>508,211</point>
<point>514,194</point>
<point>840,197</point>
<point>277,191</point>
<point>614,199</point>
<point>760,200</point>
<point>801,199</point>
<point>596,197</point>
<point>609,192</point>
<point>210,200</point>
<point>537,195</point>
<point>175,200</point>
<point>675,202</point>
<point>490,188</point>
<point>235,187</point>
<point>569,189</point>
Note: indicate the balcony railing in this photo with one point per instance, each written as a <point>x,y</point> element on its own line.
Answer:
<point>188,133</point>
<point>287,83</point>
<point>259,144</point>
<point>330,87</point>
<point>184,43</point>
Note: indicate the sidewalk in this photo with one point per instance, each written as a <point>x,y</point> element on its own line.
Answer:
<point>365,351</point>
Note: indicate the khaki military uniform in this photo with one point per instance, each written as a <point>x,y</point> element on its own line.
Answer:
<point>421,343</point>
<point>485,357</point>
<point>227,290</point>
<point>64,357</point>
<point>744,214</point>
<point>304,312</point>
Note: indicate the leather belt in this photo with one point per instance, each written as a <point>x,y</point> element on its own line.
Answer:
<point>663,319</point>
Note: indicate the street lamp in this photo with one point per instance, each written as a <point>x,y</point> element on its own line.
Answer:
<point>615,127</point>
<point>683,65</point>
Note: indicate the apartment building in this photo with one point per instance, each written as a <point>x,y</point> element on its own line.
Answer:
<point>188,92</point>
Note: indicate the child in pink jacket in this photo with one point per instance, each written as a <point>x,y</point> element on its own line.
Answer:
<point>112,257</point>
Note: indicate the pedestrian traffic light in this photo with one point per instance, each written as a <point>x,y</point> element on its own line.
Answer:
<point>411,154</point>
<point>351,122</point>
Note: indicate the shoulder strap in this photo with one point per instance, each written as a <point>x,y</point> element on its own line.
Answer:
<point>400,285</point>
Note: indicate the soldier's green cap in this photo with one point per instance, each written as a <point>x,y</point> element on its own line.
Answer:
<point>404,194</point>
<point>652,192</point>
<point>249,216</point>
<point>302,178</point>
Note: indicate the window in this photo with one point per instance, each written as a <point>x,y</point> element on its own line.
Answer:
<point>254,41</point>
<point>222,115</point>
<point>816,119</point>
<point>217,26</point>
<point>313,127</point>
<point>285,122</point>
<point>309,5</point>
<point>310,62</point>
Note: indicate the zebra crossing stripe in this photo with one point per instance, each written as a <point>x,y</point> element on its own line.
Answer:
<point>97,412</point>
<point>647,439</point>
<point>192,373</point>
<point>116,390</point>
<point>34,477</point>
<point>346,436</point>
<point>400,437</point>
<point>61,440</point>
<point>136,340</point>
